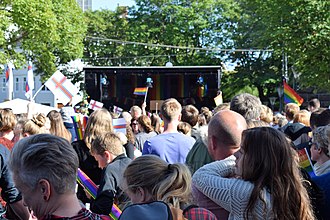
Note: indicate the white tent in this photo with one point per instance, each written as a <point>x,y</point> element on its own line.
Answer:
<point>20,106</point>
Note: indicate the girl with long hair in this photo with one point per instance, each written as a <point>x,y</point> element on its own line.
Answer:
<point>57,127</point>
<point>264,182</point>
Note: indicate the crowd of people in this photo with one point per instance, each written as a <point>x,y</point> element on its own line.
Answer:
<point>238,161</point>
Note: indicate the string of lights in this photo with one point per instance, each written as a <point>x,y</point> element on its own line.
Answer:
<point>146,45</point>
<point>132,57</point>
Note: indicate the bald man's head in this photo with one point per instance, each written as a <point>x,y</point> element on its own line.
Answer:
<point>224,133</point>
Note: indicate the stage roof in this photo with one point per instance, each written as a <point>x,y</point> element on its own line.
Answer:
<point>187,70</point>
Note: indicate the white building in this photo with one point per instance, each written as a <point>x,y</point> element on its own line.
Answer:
<point>45,96</point>
<point>85,4</point>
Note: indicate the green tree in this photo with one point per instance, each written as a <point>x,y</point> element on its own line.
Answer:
<point>178,23</point>
<point>300,29</point>
<point>49,33</point>
<point>103,25</point>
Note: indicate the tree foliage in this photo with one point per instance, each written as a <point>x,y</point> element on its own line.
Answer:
<point>178,23</point>
<point>48,32</point>
<point>300,29</point>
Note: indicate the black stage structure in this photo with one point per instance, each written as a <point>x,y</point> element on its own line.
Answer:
<point>196,85</point>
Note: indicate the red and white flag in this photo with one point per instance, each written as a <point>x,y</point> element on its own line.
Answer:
<point>94,105</point>
<point>9,80</point>
<point>61,87</point>
<point>29,85</point>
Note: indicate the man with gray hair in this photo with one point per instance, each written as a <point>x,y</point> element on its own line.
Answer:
<point>171,145</point>
<point>44,169</point>
<point>249,106</point>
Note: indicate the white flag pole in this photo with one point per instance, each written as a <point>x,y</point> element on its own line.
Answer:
<point>145,97</point>
<point>38,91</point>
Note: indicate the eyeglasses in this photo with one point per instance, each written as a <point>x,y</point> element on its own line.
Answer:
<point>135,123</point>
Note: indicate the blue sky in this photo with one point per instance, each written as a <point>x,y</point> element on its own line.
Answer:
<point>111,4</point>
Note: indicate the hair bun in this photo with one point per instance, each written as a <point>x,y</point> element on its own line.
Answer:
<point>39,119</point>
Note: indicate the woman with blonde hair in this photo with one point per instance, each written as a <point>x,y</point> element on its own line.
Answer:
<point>262,180</point>
<point>35,125</point>
<point>57,127</point>
<point>99,122</point>
<point>149,178</point>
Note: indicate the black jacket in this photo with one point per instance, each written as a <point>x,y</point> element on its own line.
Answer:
<point>9,192</point>
<point>89,165</point>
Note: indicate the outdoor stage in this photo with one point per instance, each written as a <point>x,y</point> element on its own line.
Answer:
<point>115,85</point>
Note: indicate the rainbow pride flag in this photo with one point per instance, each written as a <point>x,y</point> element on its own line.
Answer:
<point>140,91</point>
<point>305,162</point>
<point>79,123</point>
<point>91,188</point>
<point>290,96</point>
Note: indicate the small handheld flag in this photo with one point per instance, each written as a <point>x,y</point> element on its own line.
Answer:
<point>119,125</point>
<point>29,85</point>
<point>91,189</point>
<point>140,91</point>
<point>61,87</point>
<point>305,161</point>
<point>117,109</point>
<point>79,123</point>
<point>290,96</point>
<point>94,105</point>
